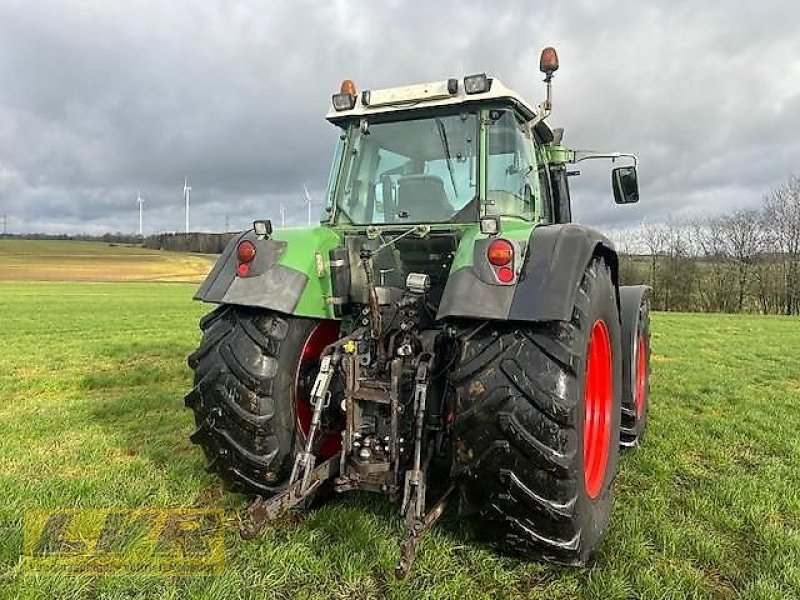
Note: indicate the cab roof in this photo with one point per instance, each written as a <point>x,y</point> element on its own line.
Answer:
<point>434,94</point>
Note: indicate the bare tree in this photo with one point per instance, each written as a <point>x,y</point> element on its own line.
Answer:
<point>630,267</point>
<point>781,221</point>
<point>742,235</point>
<point>652,237</point>
<point>679,268</point>
<point>715,286</point>
<point>672,268</point>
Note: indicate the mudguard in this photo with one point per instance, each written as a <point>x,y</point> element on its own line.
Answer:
<point>556,258</point>
<point>630,300</point>
<point>289,274</point>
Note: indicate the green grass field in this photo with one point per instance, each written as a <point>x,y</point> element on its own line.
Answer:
<point>92,377</point>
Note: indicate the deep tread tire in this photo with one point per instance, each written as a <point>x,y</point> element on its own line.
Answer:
<point>633,424</point>
<point>518,430</point>
<point>243,395</point>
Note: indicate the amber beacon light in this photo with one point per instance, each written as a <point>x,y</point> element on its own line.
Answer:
<point>548,61</point>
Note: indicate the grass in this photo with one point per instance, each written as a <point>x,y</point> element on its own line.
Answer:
<point>69,260</point>
<point>91,412</point>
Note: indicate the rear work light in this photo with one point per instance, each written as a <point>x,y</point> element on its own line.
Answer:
<point>262,227</point>
<point>477,84</point>
<point>343,101</point>
<point>346,98</point>
<point>500,253</point>
<point>490,225</point>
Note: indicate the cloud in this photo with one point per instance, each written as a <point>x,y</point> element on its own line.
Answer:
<point>102,99</point>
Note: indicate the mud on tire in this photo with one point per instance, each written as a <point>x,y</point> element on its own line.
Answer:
<point>244,395</point>
<point>519,430</point>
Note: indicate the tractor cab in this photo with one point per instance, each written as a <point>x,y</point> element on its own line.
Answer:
<point>453,151</point>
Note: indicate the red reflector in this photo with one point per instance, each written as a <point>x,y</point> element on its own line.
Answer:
<point>243,270</point>
<point>505,274</point>
<point>500,252</point>
<point>246,251</point>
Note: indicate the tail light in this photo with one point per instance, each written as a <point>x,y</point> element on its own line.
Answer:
<point>245,252</point>
<point>500,253</point>
<point>505,274</point>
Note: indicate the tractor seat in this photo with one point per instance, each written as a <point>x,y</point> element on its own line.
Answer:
<point>423,198</point>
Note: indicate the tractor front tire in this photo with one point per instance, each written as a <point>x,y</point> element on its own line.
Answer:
<point>536,428</point>
<point>248,370</point>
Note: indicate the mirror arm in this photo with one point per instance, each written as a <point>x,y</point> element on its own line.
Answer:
<point>581,155</point>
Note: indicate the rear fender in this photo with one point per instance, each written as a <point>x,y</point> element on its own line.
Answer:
<point>631,298</point>
<point>556,258</point>
<point>290,274</point>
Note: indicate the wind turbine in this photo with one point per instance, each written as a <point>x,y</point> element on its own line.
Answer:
<point>308,201</point>
<point>187,190</point>
<point>283,217</point>
<point>140,200</point>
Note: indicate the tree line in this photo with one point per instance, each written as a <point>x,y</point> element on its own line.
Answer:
<point>746,260</point>
<point>109,238</point>
<point>205,243</point>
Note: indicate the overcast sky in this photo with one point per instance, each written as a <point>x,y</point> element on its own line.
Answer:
<point>99,99</point>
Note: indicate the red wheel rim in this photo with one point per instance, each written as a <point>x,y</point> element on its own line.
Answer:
<point>598,390</point>
<point>641,376</point>
<point>325,332</point>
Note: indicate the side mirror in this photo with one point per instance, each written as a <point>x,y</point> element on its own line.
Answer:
<point>625,183</point>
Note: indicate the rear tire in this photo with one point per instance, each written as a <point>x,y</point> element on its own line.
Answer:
<point>246,372</point>
<point>529,486</point>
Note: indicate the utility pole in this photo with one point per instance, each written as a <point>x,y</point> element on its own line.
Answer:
<point>283,217</point>
<point>140,200</point>
<point>187,190</point>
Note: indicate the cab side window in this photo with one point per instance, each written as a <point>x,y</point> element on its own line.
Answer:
<point>509,190</point>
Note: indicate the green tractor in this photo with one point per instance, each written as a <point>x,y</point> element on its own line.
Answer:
<point>446,331</point>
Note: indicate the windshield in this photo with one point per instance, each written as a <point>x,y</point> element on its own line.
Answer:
<point>412,171</point>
